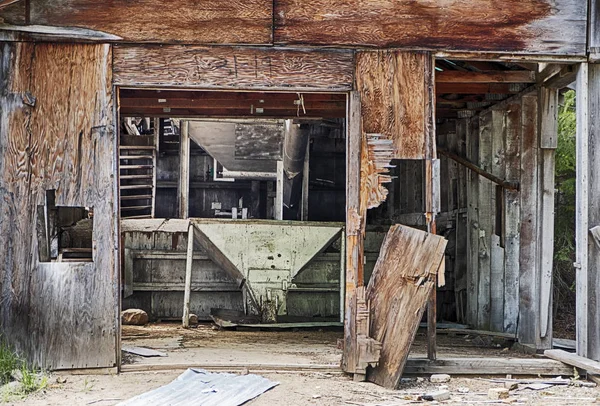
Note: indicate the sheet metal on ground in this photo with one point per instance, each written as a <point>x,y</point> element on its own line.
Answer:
<point>200,387</point>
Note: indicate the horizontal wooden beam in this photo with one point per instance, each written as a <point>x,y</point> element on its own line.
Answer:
<point>574,360</point>
<point>487,366</point>
<point>232,113</point>
<point>476,88</point>
<point>519,76</point>
<point>266,69</point>
<point>464,162</point>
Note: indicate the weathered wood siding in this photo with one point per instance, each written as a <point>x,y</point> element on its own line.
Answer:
<point>233,68</point>
<point>532,26</point>
<point>176,21</point>
<point>62,315</point>
<point>509,233</point>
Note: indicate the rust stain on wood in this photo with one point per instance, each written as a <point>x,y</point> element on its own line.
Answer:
<point>176,21</point>
<point>233,68</point>
<point>485,25</point>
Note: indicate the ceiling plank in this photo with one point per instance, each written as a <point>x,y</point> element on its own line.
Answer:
<point>485,77</point>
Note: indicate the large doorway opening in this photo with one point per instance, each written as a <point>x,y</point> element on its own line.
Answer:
<point>259,179</point>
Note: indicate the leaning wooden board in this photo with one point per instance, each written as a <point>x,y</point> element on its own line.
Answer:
<point>402,282</point>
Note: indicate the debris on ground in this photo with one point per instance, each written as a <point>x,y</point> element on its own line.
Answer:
<point>200,387</point>
<point>143,352</point>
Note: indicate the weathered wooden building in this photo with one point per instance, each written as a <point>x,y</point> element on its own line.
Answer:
<point>432,114</point>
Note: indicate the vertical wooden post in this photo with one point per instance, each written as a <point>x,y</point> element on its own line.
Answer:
<point>154,163</point>
<point>512,217</point>
<point>188,276</point>
<point>430,212</point>
<point>279,192</point>
<point>548,103</point>
<point>472,137</point>
<point>354,237</point>
<point>529,297</point>
<point>588,211</point>
<point>305,183</point>
<point>184,171</point>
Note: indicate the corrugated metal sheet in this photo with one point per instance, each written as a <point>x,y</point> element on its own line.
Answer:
<point>200,387</point>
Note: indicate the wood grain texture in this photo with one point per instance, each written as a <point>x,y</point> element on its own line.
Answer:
<point>531,26</point>
<point>398,291</point>
<point>472,145</point>
<point>529,328</point>
<point>396,99</point>
<point>512,216</point>
<point>69,147</point>
<point>233,68</point>
<point>179,21</point>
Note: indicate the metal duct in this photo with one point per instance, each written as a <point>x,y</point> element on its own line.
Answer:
<point>294,151</point>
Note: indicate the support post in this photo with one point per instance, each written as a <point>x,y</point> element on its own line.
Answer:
<point>188,276</point>
<point>305,183</point>
<point>354,237</point>
<point>279,192</point>
<point>431,185</point>
<point>587,254</point>
<point>184,171</point>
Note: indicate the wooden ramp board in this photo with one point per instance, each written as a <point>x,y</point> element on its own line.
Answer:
<point>401,284</point>
<point>574,360</point>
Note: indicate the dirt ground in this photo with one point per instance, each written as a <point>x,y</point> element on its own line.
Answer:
<point>206,345</point>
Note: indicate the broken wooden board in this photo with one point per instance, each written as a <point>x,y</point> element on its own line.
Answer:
<point>574,360</point>
<point>401,284</point>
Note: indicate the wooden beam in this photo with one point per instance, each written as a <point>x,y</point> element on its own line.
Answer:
<point>233,68</point>
<point>574,360</point>
<point>354,235</point>
<point>476,88</point>
<point>564,77</point>
<point>582,199</point>
<point>524,27</point>
<point>468,164</point>
<point>278,210</point>
<point>188,276</point>
<point>487,366</point>
<point>184,171</point>
<point>519,76</point>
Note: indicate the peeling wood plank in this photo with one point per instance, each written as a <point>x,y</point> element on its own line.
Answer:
<point>179,21</point>
<point>396,96</point>
<point>398,291</point>
<point>574,360</point>
<point>233,68</point>
<point>530,26</point>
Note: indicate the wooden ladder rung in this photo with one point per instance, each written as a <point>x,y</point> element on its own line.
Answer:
<point>129,167</point>
<point>135,207</point>
<point>134,147</point>
<point>136,157</point>
<point>136,197</point>
<point>131,187</point>
<point>125,177</point>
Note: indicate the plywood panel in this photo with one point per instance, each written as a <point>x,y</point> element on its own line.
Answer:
<point>176,21</point>
<point>233,68</point>
<point>396,100</point>
<point>68,147</point>
<point>531,26</point>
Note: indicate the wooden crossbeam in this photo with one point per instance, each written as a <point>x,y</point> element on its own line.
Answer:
<point>475,88</point>
<point>519,76</point>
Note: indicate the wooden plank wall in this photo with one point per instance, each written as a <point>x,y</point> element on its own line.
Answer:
<point>508,240</point>
<point>46,310</point>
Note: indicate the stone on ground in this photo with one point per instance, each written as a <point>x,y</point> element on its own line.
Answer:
<point>439,378</point>
<point>193,319</point>
<point>439,395</point>
<point>498,393</point>
<point>134,317</point>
